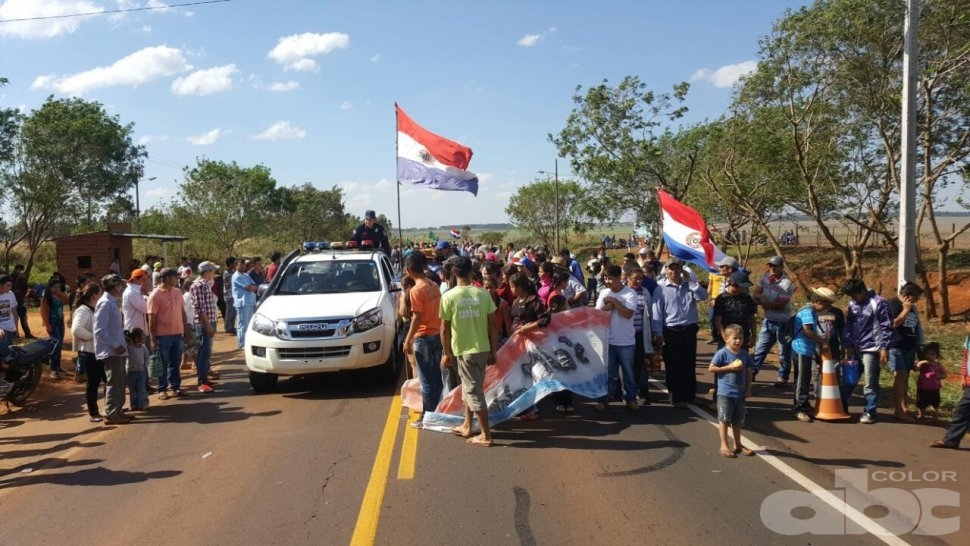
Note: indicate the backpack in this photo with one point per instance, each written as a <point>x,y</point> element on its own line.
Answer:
<point>787,332</point>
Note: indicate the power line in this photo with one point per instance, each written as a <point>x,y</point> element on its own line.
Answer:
<point>121,10</point>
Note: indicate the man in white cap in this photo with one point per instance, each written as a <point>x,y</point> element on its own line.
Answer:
<point>773,294</point>
<point>204,307</point>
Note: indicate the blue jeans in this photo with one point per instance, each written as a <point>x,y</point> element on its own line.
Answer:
<point>427,354</point>
<point>620,357</point>
<point>230,319</point>
<point>204,356</point>
<point>766,338</point>
<point>870,366</point>
<point>243,315</point>
<point>961,420</point>
<point>138,390</point>
<point>57,334</point>
<point>170,349</point>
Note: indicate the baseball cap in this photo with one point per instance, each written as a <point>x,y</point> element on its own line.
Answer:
<point>526,262</point>
<point>157,265</point>
<point>776,260</point>
<point>207,266</point>
<point>441,245</point>
<point>643,250</point>
<point>673,260</point>
<point>369,214</point>
<point>137,274</point>
<point>741,279</point>
<point>729,261</point>
<point>168,272</point>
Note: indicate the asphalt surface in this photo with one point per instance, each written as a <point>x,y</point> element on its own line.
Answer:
<point>296,466</point>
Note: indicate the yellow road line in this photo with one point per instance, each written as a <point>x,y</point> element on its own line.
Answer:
<point>409,451</point>
<point>365,532</point>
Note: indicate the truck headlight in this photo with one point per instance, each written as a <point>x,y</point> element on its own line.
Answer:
<point>368,320</point>
<point>263,325</point>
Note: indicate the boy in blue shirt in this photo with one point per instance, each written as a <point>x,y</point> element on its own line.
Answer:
<point>732,365</point>
<point>804,345</point>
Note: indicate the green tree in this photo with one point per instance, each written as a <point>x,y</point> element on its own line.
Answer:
<point>309,214</point>
<point>618,142</point>
<point>492,237</point>
<point>70,162</point>
<point>223,203</point>
<point>533,210</point>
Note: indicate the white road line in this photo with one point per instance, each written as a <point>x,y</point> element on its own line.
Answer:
<point>806,483</point>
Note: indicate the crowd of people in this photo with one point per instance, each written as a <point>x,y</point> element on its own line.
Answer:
<point>462,301</point>
<point>654,318</point>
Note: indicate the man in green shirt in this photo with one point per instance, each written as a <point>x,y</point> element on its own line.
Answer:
<point>467,333</point>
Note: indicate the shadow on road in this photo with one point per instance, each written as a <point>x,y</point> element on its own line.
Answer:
<point>198,411</point>
<point>98,476</point>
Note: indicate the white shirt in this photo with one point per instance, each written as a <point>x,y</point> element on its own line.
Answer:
<point>134,305</point>
<point>82,329</point>
<point>8,312</point>
<point>622,331</point>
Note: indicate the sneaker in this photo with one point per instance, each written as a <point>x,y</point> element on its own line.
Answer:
<point>419,424</point>
<point>867,419</point>
<point>206,388</point>
<point>632,406</point>
<point>97,419</point>
<point>804,417</point>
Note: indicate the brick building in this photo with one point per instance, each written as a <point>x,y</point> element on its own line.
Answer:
<point>93,252</point>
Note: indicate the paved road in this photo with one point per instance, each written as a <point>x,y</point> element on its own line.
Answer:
<point>295,467</point>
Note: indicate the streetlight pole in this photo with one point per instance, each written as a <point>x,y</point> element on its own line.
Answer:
<point>556,171</point>
<point>138,197</point>
<point>555,179</point>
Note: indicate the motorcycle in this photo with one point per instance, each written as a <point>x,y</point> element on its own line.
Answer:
<point>22,368</point>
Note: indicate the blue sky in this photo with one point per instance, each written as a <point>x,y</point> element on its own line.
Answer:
<point>308,87</point>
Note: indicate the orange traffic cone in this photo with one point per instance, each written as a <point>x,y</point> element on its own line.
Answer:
<point>829,403</point>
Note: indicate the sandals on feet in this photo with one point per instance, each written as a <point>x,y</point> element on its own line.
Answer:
<point>744,451</point>
<point>478,441</point>
<point>458,432</point>
<point>728,454</point>
<point>943,445</point>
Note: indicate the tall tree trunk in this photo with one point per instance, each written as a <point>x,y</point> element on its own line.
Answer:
<point>944,251</point>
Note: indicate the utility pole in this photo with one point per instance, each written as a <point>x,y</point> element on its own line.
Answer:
<point>907,192</point>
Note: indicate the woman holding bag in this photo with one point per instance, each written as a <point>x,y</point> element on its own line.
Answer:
<point>82,330</point>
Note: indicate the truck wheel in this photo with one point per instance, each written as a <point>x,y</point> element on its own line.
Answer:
<point>263,382</point>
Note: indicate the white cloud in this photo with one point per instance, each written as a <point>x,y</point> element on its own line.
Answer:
<point>727,75</point>
<point>148,139</point>
<point>146,29</point>
<point>159,5</point>
<point>281,130</point>
<point>530,40</point>
<point>376,58</point>
<point>346,105</point>
<point>136,69</point>
<point>294,52</point>
<point>45,28</point>
<point>382,183</point>
<point>205,82</point>
<point>278,87</point>
<point>207,138</point>
<point>160,192</point>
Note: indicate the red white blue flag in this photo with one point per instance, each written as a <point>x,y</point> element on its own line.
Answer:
<point>426,159</point>
<point>685,233</point>
<point>455,234</point>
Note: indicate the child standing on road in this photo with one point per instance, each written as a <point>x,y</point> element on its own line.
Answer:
<point>732,366</point>
<point>137,368</point>
<point>929,382</point>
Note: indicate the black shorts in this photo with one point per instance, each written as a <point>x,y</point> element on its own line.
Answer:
<point>925,399</point>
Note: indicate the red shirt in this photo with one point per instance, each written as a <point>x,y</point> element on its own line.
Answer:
<point>271,271</point>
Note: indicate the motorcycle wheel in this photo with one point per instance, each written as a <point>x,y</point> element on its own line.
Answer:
<point>25,385</point>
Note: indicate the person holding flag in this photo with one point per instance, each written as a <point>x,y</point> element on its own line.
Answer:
<point>674,323</point>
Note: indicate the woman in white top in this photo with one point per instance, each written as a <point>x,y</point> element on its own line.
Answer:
<point>82,330</point>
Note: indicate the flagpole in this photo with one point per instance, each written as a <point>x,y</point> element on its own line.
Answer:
<point>397,183</point>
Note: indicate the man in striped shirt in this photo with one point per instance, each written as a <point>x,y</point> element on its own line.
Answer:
<point>204,305</point>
